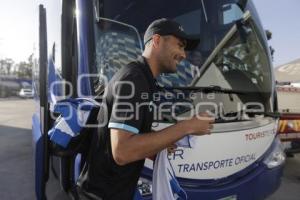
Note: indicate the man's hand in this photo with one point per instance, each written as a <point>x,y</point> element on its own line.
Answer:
<point>200,124</point>
<point>129,147</point>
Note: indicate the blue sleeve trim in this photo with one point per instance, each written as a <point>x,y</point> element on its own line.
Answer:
<point>124,127</point>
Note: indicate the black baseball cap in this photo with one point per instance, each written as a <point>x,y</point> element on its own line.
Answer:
<point>165,26</point>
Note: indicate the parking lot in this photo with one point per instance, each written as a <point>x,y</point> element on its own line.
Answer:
<point>290,186</point>
<point>16,168</point>
<point>16,160</point>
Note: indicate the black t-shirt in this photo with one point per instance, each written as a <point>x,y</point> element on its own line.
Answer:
<point>128,97</point>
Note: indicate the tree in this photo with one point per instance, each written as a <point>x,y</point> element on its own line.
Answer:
<point>24,69</point>
<point>2,70</point>
<point>6,66</point>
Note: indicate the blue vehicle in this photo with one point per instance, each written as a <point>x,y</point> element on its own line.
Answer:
<point>82,43</point>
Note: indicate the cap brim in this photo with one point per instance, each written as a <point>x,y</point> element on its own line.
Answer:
<point>191,42</point>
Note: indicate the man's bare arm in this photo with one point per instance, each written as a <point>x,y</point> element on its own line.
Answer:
<point>128,147</point>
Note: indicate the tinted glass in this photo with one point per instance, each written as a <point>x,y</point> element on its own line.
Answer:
<point>242,61</point>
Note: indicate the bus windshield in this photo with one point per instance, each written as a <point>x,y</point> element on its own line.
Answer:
<point>241,63</point>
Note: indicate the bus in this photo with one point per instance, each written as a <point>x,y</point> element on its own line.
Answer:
<point>83,43</point>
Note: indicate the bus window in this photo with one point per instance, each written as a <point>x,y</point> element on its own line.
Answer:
<point>116,45</point>
<point>199,18</point>
<point>243,56</point>
<point>230,13</point>
<point>240,64</point>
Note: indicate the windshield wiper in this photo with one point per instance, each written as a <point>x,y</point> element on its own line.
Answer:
<point>251,114</point>
<point>209,89</point>
<point>268,114</point>
<point>243,116</point>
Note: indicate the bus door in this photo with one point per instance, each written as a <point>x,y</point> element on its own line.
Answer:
<point>57,81</point>
<point>40,133</point>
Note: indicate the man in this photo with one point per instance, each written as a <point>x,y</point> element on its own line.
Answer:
<point>119,148</point>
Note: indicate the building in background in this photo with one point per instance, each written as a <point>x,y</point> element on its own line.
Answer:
<point>288,89</point>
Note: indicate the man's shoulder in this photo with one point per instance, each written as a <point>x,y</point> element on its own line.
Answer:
<point>132,70</point>
<point>135,67</point>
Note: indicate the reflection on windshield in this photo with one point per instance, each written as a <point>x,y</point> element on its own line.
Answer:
<point>209,20</point>
<point>241,64</point>
<point>117,44</point>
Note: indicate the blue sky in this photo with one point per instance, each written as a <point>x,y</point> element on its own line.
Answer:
<point>18,28</point>
<point>282,17</point>
<point>18,32</point>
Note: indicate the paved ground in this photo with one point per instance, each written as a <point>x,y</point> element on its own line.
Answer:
<point>16,168</point>
<point>290,187</point>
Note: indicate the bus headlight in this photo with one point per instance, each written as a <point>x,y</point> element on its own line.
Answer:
<point>276,157</point>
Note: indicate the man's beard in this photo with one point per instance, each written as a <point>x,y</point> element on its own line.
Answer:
<point>165,67</point>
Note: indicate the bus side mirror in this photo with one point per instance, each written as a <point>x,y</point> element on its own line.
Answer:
<point>269,34</point>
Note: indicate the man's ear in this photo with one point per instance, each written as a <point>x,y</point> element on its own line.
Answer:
<point>156,40</point>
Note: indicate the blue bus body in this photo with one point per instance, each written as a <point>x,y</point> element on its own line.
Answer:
<point>75,46</point>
